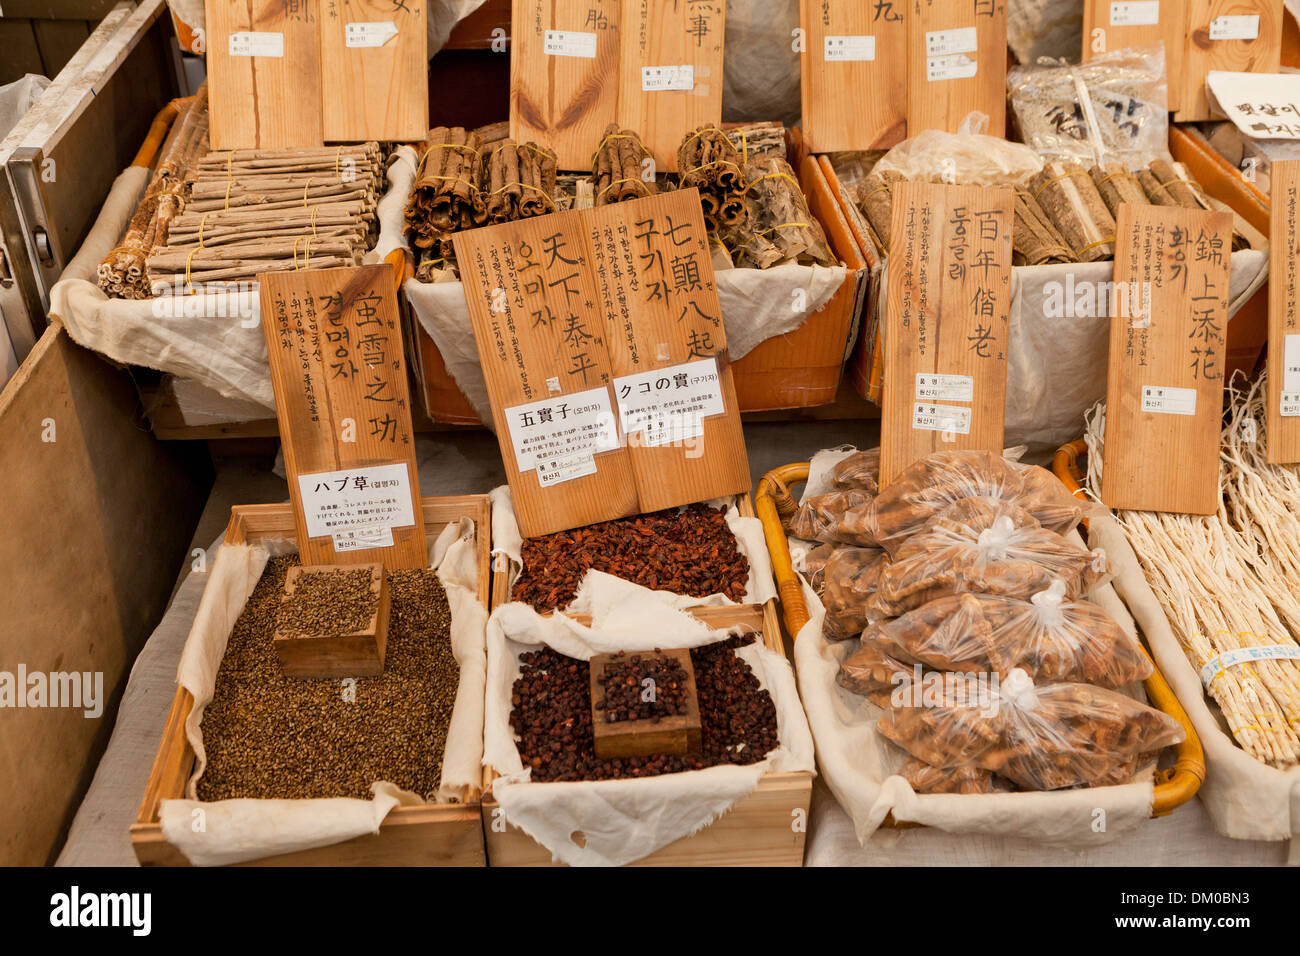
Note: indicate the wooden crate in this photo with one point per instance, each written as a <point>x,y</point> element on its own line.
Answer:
<point>766,828</point>
<point>430,835</point>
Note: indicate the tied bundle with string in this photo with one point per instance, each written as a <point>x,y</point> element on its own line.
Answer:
<point>780,227</point>
<point>255,211</point>
<point>124,273</point>
<point>622,168</point>
<point>447,197</point>
<point>1067,193</point>
<point>709,161</point>
<point>520,181</point>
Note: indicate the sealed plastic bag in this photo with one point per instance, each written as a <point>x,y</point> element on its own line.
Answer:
<point>1052,639</point>
<point>821,517</point>
<point>932,484</point>
<point>1002,560</point>
<point>813,565</point>
<point>871,672</point>
<point>851,576</point>
<point>964,158</point>
<point>924,778</point>
<point>1040,738</point>
<point>860,471</point>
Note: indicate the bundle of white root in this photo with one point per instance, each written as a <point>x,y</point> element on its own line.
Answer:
<point>1225,581</point>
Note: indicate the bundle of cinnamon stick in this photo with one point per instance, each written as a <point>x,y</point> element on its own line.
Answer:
<point>619,170</point>
<point>779,226</point>
<point>253,211</point>
<point>447,196</point>
<point>707,160</point>
<point>520,181</point>
<point>123,273</point>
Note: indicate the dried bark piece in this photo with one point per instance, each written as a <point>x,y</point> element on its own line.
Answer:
<point>1069,197</point>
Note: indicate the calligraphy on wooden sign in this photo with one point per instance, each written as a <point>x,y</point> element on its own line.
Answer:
<point>338,371</point>
<point>946,322</point>
<point>1164,395</point>
<point>541,340</point>
<point>373,54</point>
<point>668,349</point>
<point>670,71</point>
<point>956,64</point>
<point>564,75</point>
<point>1283,400</point>
<point>854,80</point>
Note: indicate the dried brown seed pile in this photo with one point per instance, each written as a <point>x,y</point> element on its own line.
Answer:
<point>625,689</point>
<point>552,717</point>
<point>271,736</point>
<point>330,602</point>
<point>687,551</point>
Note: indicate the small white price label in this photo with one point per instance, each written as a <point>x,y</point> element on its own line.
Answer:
<point>959,67</point>
<point>371,496</point>
<point>1289,404</point>
<point>932,387</point>
<point>363,539</point>
<point>1235,28</point>
<point>256,44</point>
<point>1291,363</point>
<point>1135,13</point>
<point>944,42</point>
<point>662,79</point>
<point>941,418</point>
<point>850,49</point>
<point>560,470</point>
<point>562,430</point>
<point>1169,401</point>
<point>368,34</point>
<point>570,43</point>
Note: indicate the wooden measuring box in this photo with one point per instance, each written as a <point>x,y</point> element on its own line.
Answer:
<point>678,734</point>
<point>358,653</point>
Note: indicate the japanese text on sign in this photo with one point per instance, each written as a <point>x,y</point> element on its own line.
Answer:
<point>355,498</point>
<point>564,428</point>
<point>670,404</point>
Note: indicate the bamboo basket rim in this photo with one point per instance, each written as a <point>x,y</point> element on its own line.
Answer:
<point>1174,786</point>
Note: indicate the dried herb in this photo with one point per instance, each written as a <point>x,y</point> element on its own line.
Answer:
<point>1070,198</point>
<point>623,683</point>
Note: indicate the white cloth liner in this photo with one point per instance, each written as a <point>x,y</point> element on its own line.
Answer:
<point>622,821</point>
<point>759,589</point>
<point>235,831</point>
<point>1247,799</point>
<point>215,339</point>
<point>757,304</point>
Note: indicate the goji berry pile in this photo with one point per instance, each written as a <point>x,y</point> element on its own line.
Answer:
<point>626,697</point>
<point>552,717</point>
<point>687,551</point>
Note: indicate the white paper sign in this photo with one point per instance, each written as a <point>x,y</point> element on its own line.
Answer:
<point>1289,405</point>
<point>1135,13</point>
<point>660,79</point>
<point>570,43</point>
<point>944,42</point>
<point>368,34</point>
<point>560,470</point>
<point>1291,363</point>
<point>563,429</point>
<point>1261,105</point>
<point>1169,401</point>
<point>941,418</point>
<point>959,67</point>
<point>1235,28</point>
<point>850,49</point>
<point>256,44</point>
<point>363,539</point>
<point>932,387</point>
<point>670,404</point>
<point>367,496</point>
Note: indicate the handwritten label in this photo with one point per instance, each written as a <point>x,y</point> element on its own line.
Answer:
<point>257,44</point>
<point>570,43</point>
<point>944,388</point>
<point>1235,28</point>
<point>945,42</point>
<point>562,430</point>
<point>363,539</point>
<point>1241,655</point>
<point>1135,13</point>
<point>1261,105</point>
<point>353,498</point>
<point>941,418</point>
<point>670,404</point>
<point>1169,401</point>
<point>850,49</point>
<point>368,34</point>
<point>959,67</point>
<point>662,79</point>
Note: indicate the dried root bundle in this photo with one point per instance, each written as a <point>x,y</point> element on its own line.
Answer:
<point>619,171</point>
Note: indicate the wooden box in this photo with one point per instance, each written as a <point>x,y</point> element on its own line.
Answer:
<point>766,828</point>
<point>357,653</point>
<point>673,734</point>
<point>429,835</point>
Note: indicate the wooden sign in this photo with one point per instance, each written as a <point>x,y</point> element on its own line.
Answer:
<point>1164,395</point>
<point>670,71</point>
<point>564,75</point>
<point>1110,25</point>
<point>1283,437</point>
<point>854,80</point>
<point>541,342</point>
<point>373,54</point>
<point>956,64</point>
<point>1239,36</point>
<point>946,323</point>
<point>264,75</point>
<point>668,349</point>
<point>338,370</point>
